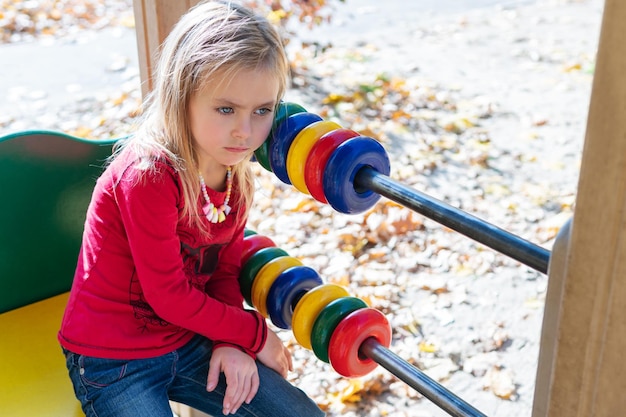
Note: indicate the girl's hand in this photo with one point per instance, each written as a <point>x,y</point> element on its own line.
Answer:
<point>242,377</point>
<point>275,355</point>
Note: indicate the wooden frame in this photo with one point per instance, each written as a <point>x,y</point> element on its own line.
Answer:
<point>153,21</point>
<point>582,372</point>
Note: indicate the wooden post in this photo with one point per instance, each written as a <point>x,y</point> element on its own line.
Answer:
<point>587,369</point>
<point>153,21</point>
<point>550,326</point>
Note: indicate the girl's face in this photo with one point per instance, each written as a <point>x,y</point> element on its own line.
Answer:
<point>230,120</point>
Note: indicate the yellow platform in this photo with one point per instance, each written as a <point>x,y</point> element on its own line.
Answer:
<point>33,378</point>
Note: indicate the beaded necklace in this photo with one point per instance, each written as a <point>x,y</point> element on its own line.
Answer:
<point>212,213</point>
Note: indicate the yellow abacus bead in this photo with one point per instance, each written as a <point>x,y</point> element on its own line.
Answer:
<point>309,307</point>
<point>266,277</point>
<point>300,148</point>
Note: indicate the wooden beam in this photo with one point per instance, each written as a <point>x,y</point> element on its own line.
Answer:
<point>587,375</point>
<point>154,20</point>
<point>551,316</point>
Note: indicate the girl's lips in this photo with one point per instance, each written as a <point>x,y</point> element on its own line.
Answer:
<point>237,150</point>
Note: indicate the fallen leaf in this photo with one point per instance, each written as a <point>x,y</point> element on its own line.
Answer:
<point>500,382</point>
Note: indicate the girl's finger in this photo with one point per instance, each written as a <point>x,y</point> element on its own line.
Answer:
<point>232,392</point>
<point>243,393</point>
<point>254,387</point>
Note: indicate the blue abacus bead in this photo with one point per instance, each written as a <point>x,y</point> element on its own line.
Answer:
<point>342,167</point>
<point>286,290</point>
<point>282,139</point>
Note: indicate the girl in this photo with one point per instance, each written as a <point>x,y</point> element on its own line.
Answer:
<point>155,311</point>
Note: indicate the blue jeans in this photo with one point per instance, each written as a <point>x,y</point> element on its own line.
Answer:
<point>143,387</point>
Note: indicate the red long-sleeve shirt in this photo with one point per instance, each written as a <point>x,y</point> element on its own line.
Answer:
<point>145,281</point>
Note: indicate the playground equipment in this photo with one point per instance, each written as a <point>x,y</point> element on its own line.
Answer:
<point>46,179</point>
<point>341,330</point>
<point>351,172</point>
<point>581,369</point>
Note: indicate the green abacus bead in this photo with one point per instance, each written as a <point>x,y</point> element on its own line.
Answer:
<point>285,109</point>
<point>252,266</point>
<point>327,321</point>
<point>262,154</point>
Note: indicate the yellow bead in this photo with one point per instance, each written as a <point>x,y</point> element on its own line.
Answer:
<point>300,149</point>
<point>309,307</point>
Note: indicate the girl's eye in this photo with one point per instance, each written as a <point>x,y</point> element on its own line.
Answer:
<point>263,111</point>
<point>225,110</point>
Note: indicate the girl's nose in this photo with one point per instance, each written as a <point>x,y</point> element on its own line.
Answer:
<point>243,128</point>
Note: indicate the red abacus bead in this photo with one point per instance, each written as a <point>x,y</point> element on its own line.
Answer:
<point>252,244</point>
<point>318,156</point>
<point>349,335</point>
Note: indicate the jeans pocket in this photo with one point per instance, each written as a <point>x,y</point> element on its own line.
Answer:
<point>100,373</point>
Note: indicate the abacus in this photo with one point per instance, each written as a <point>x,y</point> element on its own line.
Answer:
<point>350,172</point>
<point>340,167</point>
<point>324,317</point>
<point>340,329</point>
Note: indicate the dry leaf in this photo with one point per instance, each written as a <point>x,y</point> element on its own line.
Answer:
<point>500,382</point>
<point>349,391</point>
<point>427,347</point>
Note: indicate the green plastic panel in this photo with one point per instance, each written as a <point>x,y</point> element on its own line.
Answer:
<point>46,180</point>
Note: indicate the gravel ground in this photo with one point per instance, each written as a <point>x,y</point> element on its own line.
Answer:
<point>484,108</point>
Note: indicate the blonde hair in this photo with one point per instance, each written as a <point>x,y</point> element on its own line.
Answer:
<point>213,39</point>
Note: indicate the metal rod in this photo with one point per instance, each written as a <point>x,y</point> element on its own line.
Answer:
<point>418,380</point>
<point>471,226</point>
